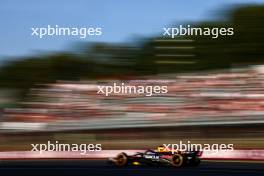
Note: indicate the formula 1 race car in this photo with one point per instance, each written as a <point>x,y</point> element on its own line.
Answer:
<point>163,158</point>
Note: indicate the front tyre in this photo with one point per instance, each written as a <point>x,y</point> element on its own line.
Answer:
<point>121,159</point>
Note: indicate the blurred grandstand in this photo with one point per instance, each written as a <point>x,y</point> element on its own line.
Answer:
<point>223,97</point>
<point>227,103</point>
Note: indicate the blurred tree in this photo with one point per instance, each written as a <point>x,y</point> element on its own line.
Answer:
<point>243,48</point>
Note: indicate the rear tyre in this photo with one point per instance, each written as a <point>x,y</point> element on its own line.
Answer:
<point>178,160</point>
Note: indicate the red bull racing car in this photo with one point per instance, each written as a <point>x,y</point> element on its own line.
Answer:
<point>158,157</point>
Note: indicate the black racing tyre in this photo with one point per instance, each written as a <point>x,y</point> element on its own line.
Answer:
<point>121,159</point>
<point>178,160</point>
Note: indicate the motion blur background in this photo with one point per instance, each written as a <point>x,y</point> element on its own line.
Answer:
<point>48,87</point>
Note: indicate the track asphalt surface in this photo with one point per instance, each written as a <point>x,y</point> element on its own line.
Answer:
<point>101,167</point>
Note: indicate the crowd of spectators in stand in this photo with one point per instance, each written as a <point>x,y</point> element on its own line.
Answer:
<point>207,96</point>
